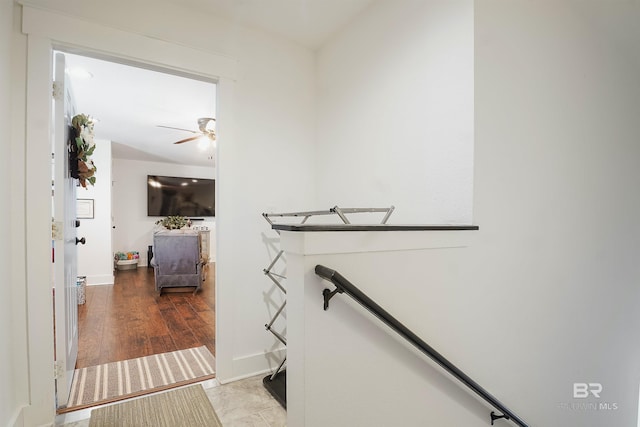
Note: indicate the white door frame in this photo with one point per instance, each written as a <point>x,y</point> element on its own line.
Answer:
<point>46,31</point>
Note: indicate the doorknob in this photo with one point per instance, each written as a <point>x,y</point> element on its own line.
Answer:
<point>83,241</point>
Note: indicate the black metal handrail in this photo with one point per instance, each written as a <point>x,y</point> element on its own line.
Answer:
<point>344,286</point>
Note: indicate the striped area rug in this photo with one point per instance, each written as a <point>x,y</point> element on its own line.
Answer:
<point>120,380</point>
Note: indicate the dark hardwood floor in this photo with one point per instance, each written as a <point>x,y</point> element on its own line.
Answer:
<point>129,319</point>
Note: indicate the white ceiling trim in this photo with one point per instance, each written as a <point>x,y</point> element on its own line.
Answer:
<point>106,43</point>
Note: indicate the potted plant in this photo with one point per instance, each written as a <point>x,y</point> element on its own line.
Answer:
<point>173,222</point>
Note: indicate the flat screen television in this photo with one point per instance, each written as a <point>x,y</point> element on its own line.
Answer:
<point>190,197</point>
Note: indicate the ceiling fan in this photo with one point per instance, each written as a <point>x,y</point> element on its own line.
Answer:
<point>205,129</point>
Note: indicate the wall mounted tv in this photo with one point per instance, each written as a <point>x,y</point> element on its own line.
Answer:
<point>170,195</point>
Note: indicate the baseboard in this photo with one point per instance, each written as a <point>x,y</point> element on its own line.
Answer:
<point>256,364</point>
<point>105,279</point>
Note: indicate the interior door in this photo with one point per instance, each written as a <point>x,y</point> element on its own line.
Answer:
<point>65,250</point>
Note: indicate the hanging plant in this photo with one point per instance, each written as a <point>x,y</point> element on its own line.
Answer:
<point>83,146</point>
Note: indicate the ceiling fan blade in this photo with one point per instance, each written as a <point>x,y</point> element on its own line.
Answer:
<point>191,138</point>
<point>171,127</point>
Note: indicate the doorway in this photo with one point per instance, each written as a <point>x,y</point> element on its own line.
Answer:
<point>139,115</point>
<point>48,31</point>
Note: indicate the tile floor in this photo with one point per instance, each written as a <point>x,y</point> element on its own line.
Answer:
<point>244,403</point>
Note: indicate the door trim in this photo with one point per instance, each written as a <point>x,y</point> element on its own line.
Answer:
<point>45,32</point>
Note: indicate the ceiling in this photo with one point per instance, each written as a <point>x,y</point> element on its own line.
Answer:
<point>130,103</point>
<point>307,22</point>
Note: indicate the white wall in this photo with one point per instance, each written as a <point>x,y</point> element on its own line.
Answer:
<point>346,368</point>
<point>266,165</point>
<point>395,112</point>
<point>95,258</point>
<point>134,229</point>
<point>557,107</point>
<point>547,294</point>
<point>555,196</point>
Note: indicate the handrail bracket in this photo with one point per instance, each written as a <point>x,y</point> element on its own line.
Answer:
<point>497,417</point>
<point>327,294</point>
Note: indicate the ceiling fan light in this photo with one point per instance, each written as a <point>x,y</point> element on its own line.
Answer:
<point>203,144</point>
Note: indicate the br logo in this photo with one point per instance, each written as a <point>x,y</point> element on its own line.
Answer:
<point>583,390</point>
